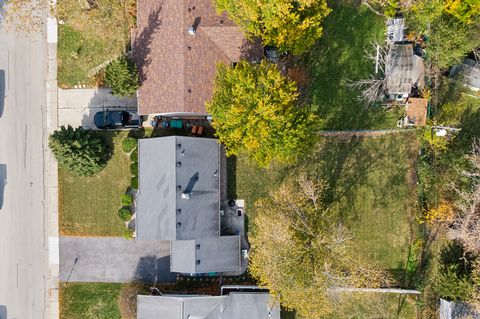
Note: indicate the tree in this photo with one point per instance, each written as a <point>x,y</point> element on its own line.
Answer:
<point>254,111</point>
<point>466,225</point>
<point>466,11</point>
<point>122,76</point>
<point>301,254</point>
<point>80,151</point>
<point>289,25</point>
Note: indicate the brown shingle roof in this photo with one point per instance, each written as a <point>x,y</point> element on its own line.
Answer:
<point>417,111</point>
<point>177,69</point>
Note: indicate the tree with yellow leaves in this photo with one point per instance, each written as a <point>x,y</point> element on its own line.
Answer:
<point>301,254</point>
<point>289,25</point>
<point>254,111</point>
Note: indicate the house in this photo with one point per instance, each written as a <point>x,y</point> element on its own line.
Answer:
<point>179,201</point>
<point>404,71</point>
<point>235,305</point>
<point>469,70</point>
<point>177,45</point>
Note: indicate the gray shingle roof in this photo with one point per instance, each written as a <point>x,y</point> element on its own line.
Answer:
<point>220,254</point>
<point>232,306</point>
<point>179,200</point>
<point>403,70</point>
<point>162,213</point>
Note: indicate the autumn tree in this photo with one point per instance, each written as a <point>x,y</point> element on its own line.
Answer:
<point>289,25</point>
<point>301,254</point>
<point>466,225</point>
<point>254,111</point>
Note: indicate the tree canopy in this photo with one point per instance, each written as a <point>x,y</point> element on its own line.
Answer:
<point>452,26</point>
<point>81,151</point>
<point>289,25</point>
<point>122,76</point>
<point>254,111</point>
<point>299,252</point>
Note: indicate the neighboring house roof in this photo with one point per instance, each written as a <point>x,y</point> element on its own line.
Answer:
<point>470,71</point>
<point>403,70</point>
<point>457,310</point>
<point>417,111</point>
<point>179,200</point>
<point>232,306</point>
<point>395,29</point>
<point>177,69</point>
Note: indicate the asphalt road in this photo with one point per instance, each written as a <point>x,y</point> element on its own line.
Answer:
<point>110,259</point>
<point>23,243</point>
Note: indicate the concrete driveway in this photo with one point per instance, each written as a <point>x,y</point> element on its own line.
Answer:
<point>76,107</point>
<point>110,259</point>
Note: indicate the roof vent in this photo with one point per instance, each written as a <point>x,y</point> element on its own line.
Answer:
<point>179,225</point>
<point>179,164</point>
<point>186,195</point>
<point>198,246</point>
<point>183,153</point>
<point>198,261</point>
<point>179,146</point>
<point>179,211</point>
<point>179,187</point>
<point>189,48</point>
<point>221,21</point>
<point>191,30</point>
<point>189,90</point>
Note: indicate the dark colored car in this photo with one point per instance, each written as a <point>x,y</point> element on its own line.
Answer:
<point>116,119</point>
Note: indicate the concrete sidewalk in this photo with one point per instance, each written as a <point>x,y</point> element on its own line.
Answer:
<point>110,259</point>
<point>76,107</point>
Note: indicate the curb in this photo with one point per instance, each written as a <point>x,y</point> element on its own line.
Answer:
<point>51,168</point>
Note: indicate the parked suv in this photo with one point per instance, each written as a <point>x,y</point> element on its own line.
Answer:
<point>116,119</point>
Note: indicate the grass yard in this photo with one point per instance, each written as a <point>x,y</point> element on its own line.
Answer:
<point>90,301</point>
<point>339,58</point>
<point>370,189</point>
<point>88,206</point>
<point>375,305</point>
<point>90,36</point>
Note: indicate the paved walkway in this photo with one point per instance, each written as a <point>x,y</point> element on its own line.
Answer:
<point>109,259</point>
<point>76,107</point>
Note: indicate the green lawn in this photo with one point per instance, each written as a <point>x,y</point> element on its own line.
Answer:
<point>90,301</point>
<point>375,305</point>
<point>368,190</point>
<point>88,206</point>
<point>339,58</point>
<point>90,36</point>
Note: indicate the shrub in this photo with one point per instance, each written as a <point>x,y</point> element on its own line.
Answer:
<point>122,76</point>
<point>134,156</point>
<point>134,182</point>
<point>128,233</point>
<point>82,152</point>
<point>453,286</point>
<point>129,144</point>
<point>127,200</point>
<point>134,169</point>
<point>125,214</point>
